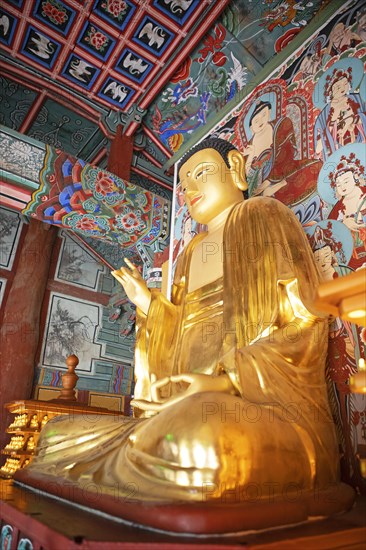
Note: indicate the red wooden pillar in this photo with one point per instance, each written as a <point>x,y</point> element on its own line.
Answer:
<point>19,333</point>
<point>120,155</point>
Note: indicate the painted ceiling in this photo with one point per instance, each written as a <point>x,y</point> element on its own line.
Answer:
<point>73,70</point>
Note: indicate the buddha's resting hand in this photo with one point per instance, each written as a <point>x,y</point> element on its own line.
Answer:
<point>134,285</point>
<point>198,383</point>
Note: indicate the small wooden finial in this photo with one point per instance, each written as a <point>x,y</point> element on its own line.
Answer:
<point>72,362</point>
<point>69,380</point>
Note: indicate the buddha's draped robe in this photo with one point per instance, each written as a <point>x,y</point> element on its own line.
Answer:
<point>273,433</point>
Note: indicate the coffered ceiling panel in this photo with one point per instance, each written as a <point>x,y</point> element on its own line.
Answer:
<point>109,50</point>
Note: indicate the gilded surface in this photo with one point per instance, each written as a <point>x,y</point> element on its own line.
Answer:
<point>231,371</point>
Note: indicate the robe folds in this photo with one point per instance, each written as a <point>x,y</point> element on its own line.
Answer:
<point>255,324</point>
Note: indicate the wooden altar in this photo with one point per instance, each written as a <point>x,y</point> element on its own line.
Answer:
<point>51,524</point>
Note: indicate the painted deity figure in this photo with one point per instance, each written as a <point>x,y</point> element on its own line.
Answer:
<point>187,232</point>
<point>271,166</point>
<point>343,119</point>
<point>230,388</point>
<point>341,39</point>
<point>344,347</point>
<point>311,63</point>
<point>350,188</point>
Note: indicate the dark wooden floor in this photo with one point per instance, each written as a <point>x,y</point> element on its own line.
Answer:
<point>53,525</point>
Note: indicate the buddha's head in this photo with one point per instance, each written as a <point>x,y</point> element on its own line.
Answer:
<point>212,177</point>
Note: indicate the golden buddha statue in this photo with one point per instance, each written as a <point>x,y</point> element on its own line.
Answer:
<point>16,443</point>
<point>11,465</point>
<point>30,443</point>
<point>34,422</point>
<point>229,373</point>
<point>20,421</point>
<point>44,420</point>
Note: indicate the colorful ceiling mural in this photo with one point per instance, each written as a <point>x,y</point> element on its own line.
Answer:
<point>50,185</point>
<point>110,51</point>
<point>242,41</point>
<point>72,71</point>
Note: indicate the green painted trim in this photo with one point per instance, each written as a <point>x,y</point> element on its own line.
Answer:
<point>21,181</point>
<point>319,20</point>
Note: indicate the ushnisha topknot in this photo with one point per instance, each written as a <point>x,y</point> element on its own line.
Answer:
<point>220,145</point>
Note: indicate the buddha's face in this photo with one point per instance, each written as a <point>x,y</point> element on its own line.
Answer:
<point>260,120</point>
<point>209,186</point>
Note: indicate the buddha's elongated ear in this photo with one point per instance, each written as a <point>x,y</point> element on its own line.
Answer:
<point>237,166</point>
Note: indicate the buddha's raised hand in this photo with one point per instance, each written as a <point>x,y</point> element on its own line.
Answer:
<point>134,285</point>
